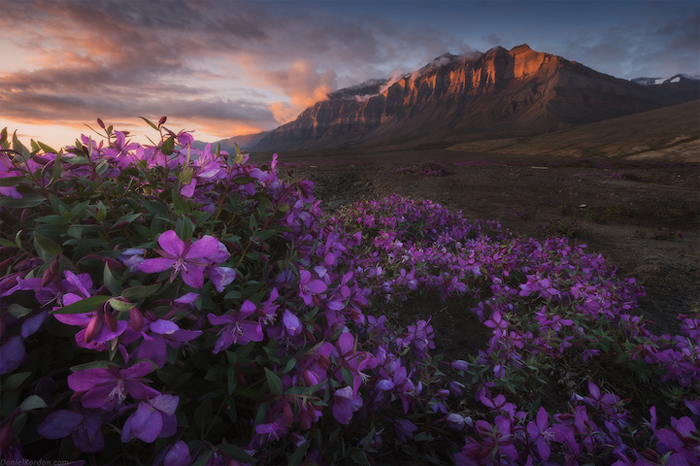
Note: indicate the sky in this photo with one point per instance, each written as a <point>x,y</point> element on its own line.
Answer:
<point>226,68</point>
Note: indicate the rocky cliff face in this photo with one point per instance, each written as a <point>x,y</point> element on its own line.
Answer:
<point>509,92</point>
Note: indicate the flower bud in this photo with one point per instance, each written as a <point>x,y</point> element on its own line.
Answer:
<point>162,120</point>
<point>101,123</point>
<point>136,319</point>
<point>50,273</point>
<point>288,416</point>
<point>118,226</point>
<point>111,321</point>
<point>94,327</point>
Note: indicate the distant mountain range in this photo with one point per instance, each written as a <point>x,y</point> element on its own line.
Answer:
<point>500,93</point>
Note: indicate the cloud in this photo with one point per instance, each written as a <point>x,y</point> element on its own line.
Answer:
<point>302,83</point>
<point>281,112</point>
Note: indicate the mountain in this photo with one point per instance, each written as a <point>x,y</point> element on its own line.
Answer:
<point>676,87</point>
<point>246,142</point>
<point>673,79</point>
<point>500,93</point>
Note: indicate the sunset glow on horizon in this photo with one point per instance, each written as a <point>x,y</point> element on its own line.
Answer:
<point>232,68</point>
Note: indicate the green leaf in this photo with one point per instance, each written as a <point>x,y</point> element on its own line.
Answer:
<point>299,453</point>
<point>53,220</point>
<point>243,180</point>
<point>28,200</point>
<point>18,311</point>
<point>17,145</point>
<point>12,180</point>
<point>236,453</point>
<point>359,457</point>
<point>149,123</point>
<point>83,306</point>
<point>203,414</point>
<point>139,292</point>
<point>32,402</point>
<point>92,365</point>
<point>231,378</point>
<point>78,212</point>
<point>121,306</point>
<point>48,245</point>
<point>110,282</point>
<point>168,146</point>
<point>47,149</point>
<point>273,381</point>
<point>202,460</point>
<point>14,381</point>
<point>290,365</point>
<point>178,202</point>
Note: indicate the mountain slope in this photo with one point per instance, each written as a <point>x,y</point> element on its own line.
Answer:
<point>499,93</point>
<point>669,133</point>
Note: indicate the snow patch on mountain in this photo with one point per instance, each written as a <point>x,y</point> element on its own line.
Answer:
<point>657,81</point>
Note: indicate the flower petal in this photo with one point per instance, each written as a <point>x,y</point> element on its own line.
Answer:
<point>12,354</point>
<point>159,264</point>
<point>146,423</point>
<point>202,248</point>
<point>60,424</point>
<point>171,243</point>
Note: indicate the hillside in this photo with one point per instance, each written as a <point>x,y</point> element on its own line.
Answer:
<point>671,133</point>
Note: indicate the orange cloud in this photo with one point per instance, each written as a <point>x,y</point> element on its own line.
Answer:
<point>282,113</point>
<point>303,84</point>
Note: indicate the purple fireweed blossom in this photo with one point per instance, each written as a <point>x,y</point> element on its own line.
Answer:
<point>681,439</point>
<point>132,258</point>
<point>190,259</point>
<point>237,329</point>
<point>541,433</point>
<point>404,429</point>
<point>86,429</point>
<point>156,335</point>
<point>307,287</point>
<point>12,353</point>
<point>221,276</point>
<point>107,388</point>
<point>178,455</point>
<point>152,419</point>
<point>345,403</point>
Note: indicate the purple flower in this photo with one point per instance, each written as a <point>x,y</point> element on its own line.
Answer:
<point>221,276</point>
<point>681,440</point>
<point>345,403</point>
<point>12,354</point>
<point>107,388</point>
<point>86,429</point>
<point>237,328</point>
<point>179,455</point>
<point>163,332</point>
<point>190,259</point>
<point>541,433</point>
<point>307,287</point>
<point>404,429</point>
<point>152,419</point>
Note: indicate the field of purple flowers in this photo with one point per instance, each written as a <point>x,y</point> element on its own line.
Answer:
<point>166,305</point>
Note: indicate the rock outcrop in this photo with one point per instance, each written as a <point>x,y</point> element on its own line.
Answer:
<point>501,92</point>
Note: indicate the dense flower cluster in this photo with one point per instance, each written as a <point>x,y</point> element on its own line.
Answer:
<point>168,305</point>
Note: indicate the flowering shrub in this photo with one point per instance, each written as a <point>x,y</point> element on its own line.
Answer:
<point>167,305</point>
